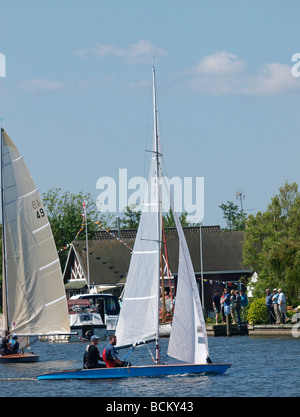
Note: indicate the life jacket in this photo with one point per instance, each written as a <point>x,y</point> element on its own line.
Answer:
<point>3,347</point>
<point>108,359</point>
<point>3,342</point>
<point>87,359</point>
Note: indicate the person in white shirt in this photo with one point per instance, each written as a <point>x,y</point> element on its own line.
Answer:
<point>276,305</point>
<point>281,304</point>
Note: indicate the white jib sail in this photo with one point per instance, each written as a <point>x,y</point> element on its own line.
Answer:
<point>36,299</point>
<point>188,339</point>
<point>138,319</point>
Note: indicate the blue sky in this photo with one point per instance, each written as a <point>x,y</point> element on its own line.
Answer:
<point>77,98</point>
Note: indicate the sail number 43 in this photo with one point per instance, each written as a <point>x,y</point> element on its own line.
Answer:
<point>37,206</point>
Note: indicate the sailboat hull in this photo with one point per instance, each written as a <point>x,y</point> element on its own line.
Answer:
<point>19,358</point>
<point>138,371</point>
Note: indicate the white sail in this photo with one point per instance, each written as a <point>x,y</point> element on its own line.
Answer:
<point>188,339</point>
<point>34,290</point>
<point>139,312</point>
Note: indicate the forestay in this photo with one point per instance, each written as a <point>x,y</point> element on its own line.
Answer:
<point>36,300</point>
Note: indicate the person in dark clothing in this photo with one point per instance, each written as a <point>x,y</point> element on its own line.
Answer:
<point>238,305</point>
<point>216,305</point>
<point>269,305</point>
<point>5,348</point>
<point>91,356</point>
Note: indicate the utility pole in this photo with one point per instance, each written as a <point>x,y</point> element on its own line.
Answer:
<point>240,195</point>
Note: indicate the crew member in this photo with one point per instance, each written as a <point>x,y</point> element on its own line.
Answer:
<point>5,348</point>
<point>14,344</point>
<point>92,356</point>
<point>110,355</point>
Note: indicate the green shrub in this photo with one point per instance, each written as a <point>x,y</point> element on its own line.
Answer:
<point>257,312</point>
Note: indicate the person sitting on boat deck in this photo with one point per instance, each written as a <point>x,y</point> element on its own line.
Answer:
<point>14,344</point>
<point>92,356</point>
<point>110,355</point>
<point>208,360</point>
<point>5,348</point>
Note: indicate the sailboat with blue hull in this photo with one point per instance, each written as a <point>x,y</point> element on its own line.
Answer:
<point>138,322</point>
<point>138,371</point>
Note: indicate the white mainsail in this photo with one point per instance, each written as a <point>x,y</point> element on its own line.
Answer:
<point>34,298</point>
<point>138,320</point>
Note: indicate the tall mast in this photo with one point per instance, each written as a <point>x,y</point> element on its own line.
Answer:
<point>156,152</point>
<point>4,274</point>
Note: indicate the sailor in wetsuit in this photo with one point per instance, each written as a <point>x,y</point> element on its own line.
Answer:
<point>110,355</point>
<point>5,348</point>
<point>14,344</point>
<point>9,346</point>
<point>91,356</point>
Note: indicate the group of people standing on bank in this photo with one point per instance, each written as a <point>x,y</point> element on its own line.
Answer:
<point>232,302</point>
<point>276,302</point>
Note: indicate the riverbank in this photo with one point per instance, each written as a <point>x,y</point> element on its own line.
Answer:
<point>253,330</point>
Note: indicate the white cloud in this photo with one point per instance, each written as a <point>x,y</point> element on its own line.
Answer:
<point>140,52</point>
<point>274,78</point>
<point>37,84</point>
<point>223,73</point>
<point>220,63</point>
<point>218,74</point>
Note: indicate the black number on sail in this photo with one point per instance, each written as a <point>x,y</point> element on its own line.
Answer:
<point>40,213</point>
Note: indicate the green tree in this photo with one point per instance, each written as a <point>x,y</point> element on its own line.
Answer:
<point>168,219</point>
<point>235,218</point>
<point>65,213</point>
<point>131,218</point>
<point>272,243</point>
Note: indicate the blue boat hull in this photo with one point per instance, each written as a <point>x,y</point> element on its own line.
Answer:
<point>137,371</point>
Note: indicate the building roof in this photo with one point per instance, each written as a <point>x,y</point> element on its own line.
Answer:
<point>221,250</point>
<point>109,257</point>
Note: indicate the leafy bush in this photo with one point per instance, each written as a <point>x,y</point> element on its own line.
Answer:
<point>257,312</point>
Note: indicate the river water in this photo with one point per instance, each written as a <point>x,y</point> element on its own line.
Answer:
<point>261,367</point>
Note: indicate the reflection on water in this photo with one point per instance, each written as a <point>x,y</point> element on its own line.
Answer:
<point>259,365</point>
